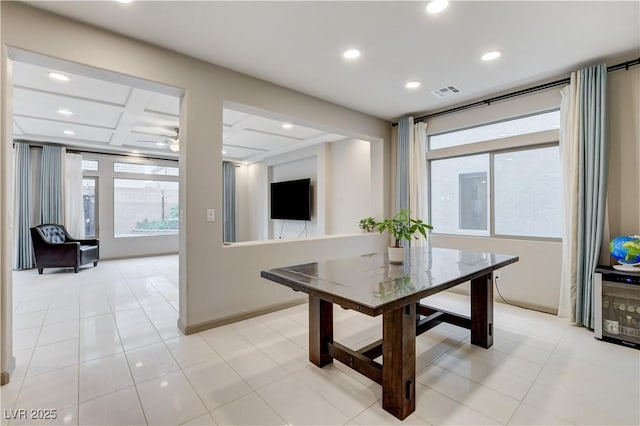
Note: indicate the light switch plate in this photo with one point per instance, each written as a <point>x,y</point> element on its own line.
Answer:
<point>211,215</point>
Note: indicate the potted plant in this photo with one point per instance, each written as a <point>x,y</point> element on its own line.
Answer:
<point>367,224</point>
<point>402,227</point>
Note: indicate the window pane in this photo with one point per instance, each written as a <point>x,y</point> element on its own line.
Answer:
<point>528,198</point>
<point>502,129</point>
<point>90,207</point>
<point>460,195</point>
<point>144,207</point>
<point>90,165</point>
<point>145,169</point>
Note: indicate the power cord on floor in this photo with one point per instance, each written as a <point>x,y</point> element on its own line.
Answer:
<point>497,279</point>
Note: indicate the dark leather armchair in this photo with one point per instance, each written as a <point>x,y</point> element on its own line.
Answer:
<point>55,248</point>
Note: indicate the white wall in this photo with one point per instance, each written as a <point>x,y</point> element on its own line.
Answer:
<point>623,107</point>
<point>215,280</point>
<point>350,188</point>
<point>243,204</point>
<point>257,200</point>
<point>533,281</point>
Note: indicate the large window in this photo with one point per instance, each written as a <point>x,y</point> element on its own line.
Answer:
<point>460,195</point>
<point>507,192</point>
<point>528,197</point>
<point>501,129</point>
<point>145,169</point>
<point>145,207</point>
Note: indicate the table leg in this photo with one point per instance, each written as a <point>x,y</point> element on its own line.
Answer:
<point>482,311</point>
<point>320,331</point>
<point>399,361</point>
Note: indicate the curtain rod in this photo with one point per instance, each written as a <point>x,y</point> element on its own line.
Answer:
<point>144,157</point>
<point>561,82</point>
<point>81,151</point>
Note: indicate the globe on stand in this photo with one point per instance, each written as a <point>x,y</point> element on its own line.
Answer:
<point>626,250</point>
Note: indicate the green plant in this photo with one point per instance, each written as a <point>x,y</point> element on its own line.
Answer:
<point>403,227</point>
<point>367,224</point>
<point>157,224</point>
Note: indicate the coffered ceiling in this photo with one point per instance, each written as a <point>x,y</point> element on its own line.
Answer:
<point>98,114</point>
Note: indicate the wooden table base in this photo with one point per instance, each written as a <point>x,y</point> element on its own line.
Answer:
<point>400,327</point>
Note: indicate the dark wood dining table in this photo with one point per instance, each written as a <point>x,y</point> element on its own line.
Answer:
<point>371,285</point>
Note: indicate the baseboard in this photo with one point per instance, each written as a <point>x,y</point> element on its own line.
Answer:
<point>196,328</point>
<point>4,378</point>
<point>518,303</point>
<point>139,256</point>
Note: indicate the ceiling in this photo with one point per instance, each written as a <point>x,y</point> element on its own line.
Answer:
<point>299,44</point>
<point>117,117</point>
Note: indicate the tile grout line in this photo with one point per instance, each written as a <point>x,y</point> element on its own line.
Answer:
<point>535,379</point>
<point>170,354</point>
<point>33,350</point>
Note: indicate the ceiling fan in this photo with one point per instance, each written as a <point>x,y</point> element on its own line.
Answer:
<point>172,140</point>
<point>174,143</point>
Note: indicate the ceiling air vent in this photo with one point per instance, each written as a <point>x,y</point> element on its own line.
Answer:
<point>447,91</point>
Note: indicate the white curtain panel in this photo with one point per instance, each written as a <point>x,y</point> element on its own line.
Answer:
<point>73,209</point>
<point>569,155</point>
<point>418,201</point>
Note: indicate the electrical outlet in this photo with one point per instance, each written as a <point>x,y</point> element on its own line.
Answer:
<point>496,275</point>
<point>211,215</point>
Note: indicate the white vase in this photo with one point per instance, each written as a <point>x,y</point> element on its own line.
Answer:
<point>396,254</point>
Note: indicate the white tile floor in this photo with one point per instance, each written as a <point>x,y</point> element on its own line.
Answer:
<point>102,347</point>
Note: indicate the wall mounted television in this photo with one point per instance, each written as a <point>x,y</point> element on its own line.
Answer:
<point>291,200</point>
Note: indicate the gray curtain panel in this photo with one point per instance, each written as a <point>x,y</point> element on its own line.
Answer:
<point>51,185</point>
<point>229,202</point>
<point>592,184</point>
<point>23,246</point>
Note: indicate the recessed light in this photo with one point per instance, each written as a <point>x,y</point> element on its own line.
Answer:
<point>437,6</point>
<point>58,76</point>
<point>224,152</point>
<point>63,111</point>
<point>490,56</point>
<point>162,144</point>
<point>135,152</point>
<point>413,84</point>
<point>287,126</point>
<point>351,54</point>
<point>69,132</point>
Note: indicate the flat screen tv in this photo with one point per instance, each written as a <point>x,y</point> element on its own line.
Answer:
<point>291,200</point>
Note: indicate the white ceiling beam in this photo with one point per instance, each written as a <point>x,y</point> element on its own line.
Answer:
<point>67,96</point>
<point>132,111</point>
<point>236,128</point>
